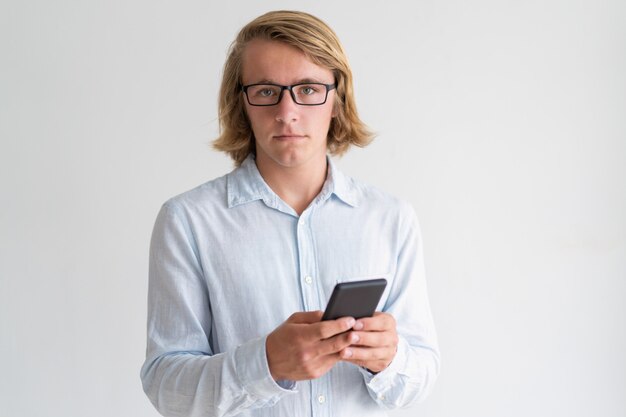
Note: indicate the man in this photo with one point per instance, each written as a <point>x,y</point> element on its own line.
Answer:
<point>241,267</point>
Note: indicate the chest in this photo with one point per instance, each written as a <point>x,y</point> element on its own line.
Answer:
<point>261,265</point>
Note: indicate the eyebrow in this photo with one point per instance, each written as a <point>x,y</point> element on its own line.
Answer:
<point>300,81</point>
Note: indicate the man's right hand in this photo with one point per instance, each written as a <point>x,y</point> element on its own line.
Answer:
<point>304,347</point>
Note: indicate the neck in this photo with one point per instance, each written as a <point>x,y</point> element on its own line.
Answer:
<point>296,186</point>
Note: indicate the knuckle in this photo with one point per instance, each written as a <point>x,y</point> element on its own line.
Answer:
<point>305,356</point>
<point>320,333</point>
<point>336,345</point>
<point>347,324</point>
<point>308,370</point>
<point>313,371</point>
<point>317,372</point>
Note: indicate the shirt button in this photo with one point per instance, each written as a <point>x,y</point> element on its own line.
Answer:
<point>301,222</point>
<point>381,397</point>
<point>321,399</point>
<point>308,280</point>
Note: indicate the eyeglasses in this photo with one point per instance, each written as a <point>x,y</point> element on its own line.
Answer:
<point>305,94</point>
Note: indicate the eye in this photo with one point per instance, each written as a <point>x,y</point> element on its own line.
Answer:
<point>307,90</point>
<point>265,92</point>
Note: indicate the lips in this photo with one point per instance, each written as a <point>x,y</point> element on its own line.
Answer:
<point>289,136</point>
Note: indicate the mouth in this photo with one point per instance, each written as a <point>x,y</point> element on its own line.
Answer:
<point>289,136</point>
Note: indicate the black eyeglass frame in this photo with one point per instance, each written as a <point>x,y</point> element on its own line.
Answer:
<point>244,89</point>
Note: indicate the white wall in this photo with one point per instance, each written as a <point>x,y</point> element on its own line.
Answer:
<point>502,122</point>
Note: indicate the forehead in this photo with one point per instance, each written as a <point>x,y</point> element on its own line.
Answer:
<point>273,61</point>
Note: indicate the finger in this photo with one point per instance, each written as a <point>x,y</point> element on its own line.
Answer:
<point>305,317</point>
<point>336,344</point>
<point>377,339</point>
<point>379,322</point>
<point>352,353</point>
<point>330,328</point>
<point>324,364</point>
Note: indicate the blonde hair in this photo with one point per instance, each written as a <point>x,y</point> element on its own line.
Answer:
<point>320,44</point>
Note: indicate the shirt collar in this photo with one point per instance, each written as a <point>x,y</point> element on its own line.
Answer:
<point>245,184</point>
<point>340,185</point>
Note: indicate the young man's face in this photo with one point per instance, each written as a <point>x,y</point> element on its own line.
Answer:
<point>287,135</point>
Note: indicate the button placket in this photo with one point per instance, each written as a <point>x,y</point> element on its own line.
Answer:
<point>309,282</point>
<point>306,263</point>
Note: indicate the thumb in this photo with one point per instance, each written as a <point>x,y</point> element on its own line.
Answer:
<point>305,317</point>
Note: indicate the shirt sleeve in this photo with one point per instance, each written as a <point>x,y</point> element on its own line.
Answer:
<point>182,375</point>
<point>415,367</point>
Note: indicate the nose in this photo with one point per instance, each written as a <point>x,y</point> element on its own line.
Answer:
<point>286,109</point>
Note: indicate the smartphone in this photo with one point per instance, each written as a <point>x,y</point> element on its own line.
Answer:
<point>355,299</point>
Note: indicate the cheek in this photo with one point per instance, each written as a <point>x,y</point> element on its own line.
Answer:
<point>323,114</point>
<point>328,115</point>
<point>256,117</point>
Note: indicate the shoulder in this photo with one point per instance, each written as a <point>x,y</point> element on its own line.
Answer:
<point>371,197</point>
<point>389,214</point>
<point>208,196</point>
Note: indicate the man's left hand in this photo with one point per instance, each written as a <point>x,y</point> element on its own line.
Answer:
<point>377,344</point>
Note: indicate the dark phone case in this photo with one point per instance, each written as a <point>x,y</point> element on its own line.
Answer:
<point>355,299</point>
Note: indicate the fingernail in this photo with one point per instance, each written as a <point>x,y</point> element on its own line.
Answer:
<point>350,322</point>
<point>358,325</point>
<point>354,338</point>
<point>347,353</point>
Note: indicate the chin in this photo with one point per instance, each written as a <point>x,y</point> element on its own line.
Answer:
<point>291,156</point>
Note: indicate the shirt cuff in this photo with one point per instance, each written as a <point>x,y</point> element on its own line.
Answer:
<point>384,380</point>
<point>254,373</point>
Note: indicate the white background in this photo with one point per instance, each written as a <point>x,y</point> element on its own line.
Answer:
<point>502,122</point>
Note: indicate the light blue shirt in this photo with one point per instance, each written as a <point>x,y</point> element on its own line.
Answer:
<point>230,261</point>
